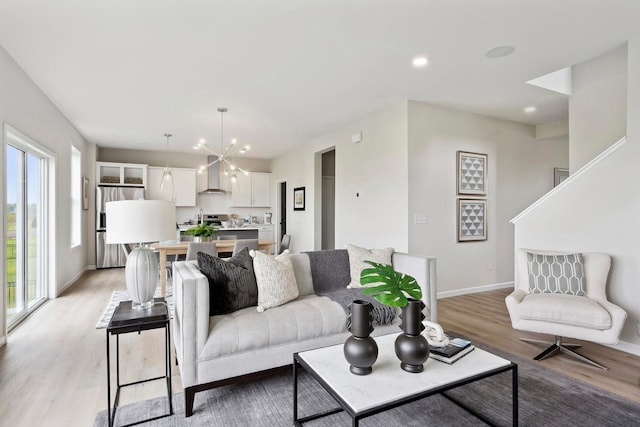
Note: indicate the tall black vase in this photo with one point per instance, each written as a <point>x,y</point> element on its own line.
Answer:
<point>360,350</point>
<point>411,347</point>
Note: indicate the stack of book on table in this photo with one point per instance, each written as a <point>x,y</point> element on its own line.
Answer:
<point>450,353</point>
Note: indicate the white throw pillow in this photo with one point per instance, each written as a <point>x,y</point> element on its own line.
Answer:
<point>275,278</point>
<point>357,258</point>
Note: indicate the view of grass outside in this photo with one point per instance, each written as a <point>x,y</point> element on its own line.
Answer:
<point>11,262</point>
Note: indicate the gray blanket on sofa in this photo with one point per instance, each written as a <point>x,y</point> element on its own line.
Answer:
<point>331,275</point>
<point>382,314</point>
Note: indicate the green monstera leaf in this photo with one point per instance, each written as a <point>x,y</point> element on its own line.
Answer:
<point>395,286</point>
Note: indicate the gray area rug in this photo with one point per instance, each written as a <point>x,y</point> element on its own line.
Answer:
<point>118,296</point>
<point>546,398</point>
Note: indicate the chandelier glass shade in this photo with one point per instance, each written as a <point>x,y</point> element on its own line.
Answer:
<point>166,183</point>
<point>226,155</point>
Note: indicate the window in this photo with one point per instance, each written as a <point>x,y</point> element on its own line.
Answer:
<point>27,218</point>
<point>76,197</point>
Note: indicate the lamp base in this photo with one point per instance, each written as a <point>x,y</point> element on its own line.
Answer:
<point>142,305</point>
<point>141,273</point>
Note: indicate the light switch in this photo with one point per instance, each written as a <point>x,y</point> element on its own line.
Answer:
<point>420,219</point>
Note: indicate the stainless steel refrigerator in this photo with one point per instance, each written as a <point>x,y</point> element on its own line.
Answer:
<point>111,255</point>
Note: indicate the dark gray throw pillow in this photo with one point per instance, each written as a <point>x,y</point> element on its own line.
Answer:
<point>232,283</point>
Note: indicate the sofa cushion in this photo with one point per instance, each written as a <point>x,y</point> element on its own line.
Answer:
<point>357,258</point>
<point>275,278</point>
<point>232,283</point>
<point>302,271</point>
<point>565,309</point>
<point>556,274</point>
<point>305,318</point>
<point>329,269</point>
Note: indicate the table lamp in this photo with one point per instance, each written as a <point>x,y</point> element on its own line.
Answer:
<point>140,222</point>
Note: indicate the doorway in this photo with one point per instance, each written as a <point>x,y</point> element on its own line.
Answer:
<point>26,223</point>
<point>328,199</point>
<point>282,206</point>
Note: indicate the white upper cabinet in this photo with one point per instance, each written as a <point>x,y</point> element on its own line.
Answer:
<point>253,190</point>
<point>184,186</point>
<point>110,173</point>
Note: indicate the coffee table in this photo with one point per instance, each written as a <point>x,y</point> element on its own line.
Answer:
<point>388,386</point>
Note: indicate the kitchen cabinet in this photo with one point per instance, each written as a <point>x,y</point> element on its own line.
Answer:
<point>184,181</point>
<point>121,174</point>
<point>265,232</point>
<point>253,190</point>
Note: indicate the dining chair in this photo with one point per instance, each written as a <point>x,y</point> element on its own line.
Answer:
<point>206,247</point>
<point>284,244</point>
<point>244,243</point>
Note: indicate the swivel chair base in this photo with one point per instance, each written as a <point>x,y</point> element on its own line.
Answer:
<point>559,346</point>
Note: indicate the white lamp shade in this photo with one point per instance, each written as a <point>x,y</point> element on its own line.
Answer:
<point>140,221</point>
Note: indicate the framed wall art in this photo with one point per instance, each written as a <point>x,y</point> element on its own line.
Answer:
<point>472,220</point>
<point>472,173</point>
<point>559,175</point>
<point>298,199</point>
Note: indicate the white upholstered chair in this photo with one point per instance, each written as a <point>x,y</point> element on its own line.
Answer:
<point>590,317</point>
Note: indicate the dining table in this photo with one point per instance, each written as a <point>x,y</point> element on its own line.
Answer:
<point>180,248</point>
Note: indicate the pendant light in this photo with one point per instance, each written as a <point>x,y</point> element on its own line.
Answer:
<point>166,184</point>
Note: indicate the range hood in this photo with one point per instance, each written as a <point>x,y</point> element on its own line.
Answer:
<point>213,177</point>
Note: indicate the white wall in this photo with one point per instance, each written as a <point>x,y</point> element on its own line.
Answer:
<point>599,209</point>
<point>27,109</point>
<point>520,171</point>
<point>599,95</point>
<point>376,168</point>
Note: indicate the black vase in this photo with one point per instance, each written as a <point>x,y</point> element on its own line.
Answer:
<point>360,350</point>
<point>411,347</point>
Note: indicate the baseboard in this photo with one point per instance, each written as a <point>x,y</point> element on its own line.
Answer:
<point>627,347</point>
<point>71,281</point>
<point>475,289</point>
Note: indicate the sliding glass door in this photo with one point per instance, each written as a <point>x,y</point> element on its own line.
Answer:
<point>25,228</point>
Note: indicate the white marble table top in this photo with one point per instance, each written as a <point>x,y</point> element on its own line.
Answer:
<point>388,382</point>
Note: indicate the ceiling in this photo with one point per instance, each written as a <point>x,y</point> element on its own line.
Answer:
<point>124,72</point>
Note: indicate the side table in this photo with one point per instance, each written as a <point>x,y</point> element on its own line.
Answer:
<point>126,319</point>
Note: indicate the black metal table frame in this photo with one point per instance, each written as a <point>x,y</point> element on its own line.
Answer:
<point>137,327</point>
<point>357,416</point>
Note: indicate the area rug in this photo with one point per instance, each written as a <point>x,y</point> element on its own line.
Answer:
<point>122,295</point>
<point>546,398</point>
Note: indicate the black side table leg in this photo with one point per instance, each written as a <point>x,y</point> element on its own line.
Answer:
<point>108,383</point>
<point>168,369</point>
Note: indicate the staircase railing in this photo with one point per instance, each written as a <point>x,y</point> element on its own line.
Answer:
<point>574,176</point>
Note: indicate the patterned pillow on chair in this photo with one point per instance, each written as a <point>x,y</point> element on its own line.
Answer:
<point>556,274</point>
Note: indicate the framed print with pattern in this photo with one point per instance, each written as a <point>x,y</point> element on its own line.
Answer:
<point>472,220</point>
<point>472,173</point>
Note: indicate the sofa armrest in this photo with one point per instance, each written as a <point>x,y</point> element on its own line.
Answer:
<point>423,269</point>
<point>191,317</point>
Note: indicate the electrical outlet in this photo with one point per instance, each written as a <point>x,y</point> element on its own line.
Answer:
<point>638,327</point>
<point>490,266</point>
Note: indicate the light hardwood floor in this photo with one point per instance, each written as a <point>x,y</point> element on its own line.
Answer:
<point>53,369</point>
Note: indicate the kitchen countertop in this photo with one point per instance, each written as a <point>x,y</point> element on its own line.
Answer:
<point>184,227</point>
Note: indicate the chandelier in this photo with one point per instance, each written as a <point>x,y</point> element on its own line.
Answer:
<point>226,155</point>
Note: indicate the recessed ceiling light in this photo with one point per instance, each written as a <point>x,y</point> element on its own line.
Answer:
<point>499,52</point>
<point>530,109</point>
<point>420,61</point>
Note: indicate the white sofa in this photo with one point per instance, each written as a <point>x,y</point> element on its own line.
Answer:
<point>222,349</point>
<point>591,317</point>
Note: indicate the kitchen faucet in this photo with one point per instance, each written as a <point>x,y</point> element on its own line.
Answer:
<point>201,217</point>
